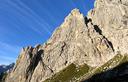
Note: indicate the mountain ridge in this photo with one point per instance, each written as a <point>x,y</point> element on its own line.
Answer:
<point>4,68</point>
<point>80,42</point>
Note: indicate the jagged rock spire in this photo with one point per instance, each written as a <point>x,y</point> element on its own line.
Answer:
<point>76,41</point>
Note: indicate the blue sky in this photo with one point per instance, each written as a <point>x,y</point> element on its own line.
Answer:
<point>31,22</point>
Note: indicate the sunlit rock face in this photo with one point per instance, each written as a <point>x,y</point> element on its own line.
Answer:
<point>91,40</point>
<point>76,41</point>
<point>112,18</point>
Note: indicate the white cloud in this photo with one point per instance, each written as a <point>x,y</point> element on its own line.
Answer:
<point>31,15</point>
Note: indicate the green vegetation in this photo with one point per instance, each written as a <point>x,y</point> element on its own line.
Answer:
<point>73,73</point>
<point>117,60</point>
<point>125,59</point>
<point>69,73</point>
<point>110,64</point>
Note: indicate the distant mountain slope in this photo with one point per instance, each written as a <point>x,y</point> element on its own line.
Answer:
<point>4,68</point>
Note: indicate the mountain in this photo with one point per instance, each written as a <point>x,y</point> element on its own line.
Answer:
<point>79,48</point>
<point>4,68</point>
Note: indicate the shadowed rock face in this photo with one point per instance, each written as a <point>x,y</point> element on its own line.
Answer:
<point>79,40</point>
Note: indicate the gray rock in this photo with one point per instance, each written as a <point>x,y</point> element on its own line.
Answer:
<point>112,18</point>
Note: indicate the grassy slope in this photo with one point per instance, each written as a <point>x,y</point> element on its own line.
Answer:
<point>76,74</point>
<point>69,73</point>
<point>117,60</point>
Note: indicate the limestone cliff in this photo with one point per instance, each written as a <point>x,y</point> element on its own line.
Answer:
<point>79,40</point>
<point>112,18</point>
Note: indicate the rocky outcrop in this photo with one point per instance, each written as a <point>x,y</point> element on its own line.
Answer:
<point>76,41</point>
<point>91,40</point>
<point>112,18</point>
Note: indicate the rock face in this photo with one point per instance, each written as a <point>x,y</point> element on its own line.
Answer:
<point>112,18</point>
<point>80,40</point>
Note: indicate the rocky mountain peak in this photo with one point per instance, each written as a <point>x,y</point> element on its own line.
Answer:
<point>75,12</point>
<point>79,41</point>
